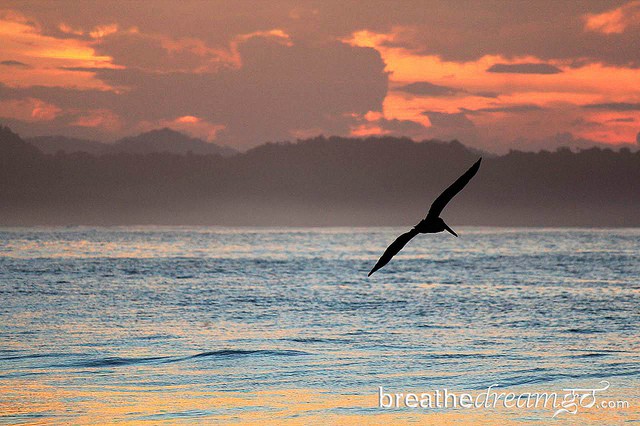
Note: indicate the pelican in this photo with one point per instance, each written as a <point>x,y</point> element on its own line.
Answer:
<point>431,224</point>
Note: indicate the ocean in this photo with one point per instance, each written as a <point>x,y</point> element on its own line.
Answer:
<point>275,325</point>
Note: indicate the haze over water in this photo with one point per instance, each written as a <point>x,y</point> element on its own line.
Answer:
<point>281,324</point>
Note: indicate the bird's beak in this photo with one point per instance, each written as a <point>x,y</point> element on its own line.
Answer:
<point>450,230</point>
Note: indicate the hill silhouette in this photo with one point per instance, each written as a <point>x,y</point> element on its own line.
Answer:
<point>53,144</point>
<point>12,147</point>
<point>161,140</point>
<point>319,181</point>
<point>167,140</point>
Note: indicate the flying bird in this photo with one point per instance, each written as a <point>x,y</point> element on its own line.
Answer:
<point>431,224</point>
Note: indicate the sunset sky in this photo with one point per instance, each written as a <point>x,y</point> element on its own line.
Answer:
<point>495,75</point>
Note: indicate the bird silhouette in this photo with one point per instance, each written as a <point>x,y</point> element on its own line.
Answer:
<point>431,224</point>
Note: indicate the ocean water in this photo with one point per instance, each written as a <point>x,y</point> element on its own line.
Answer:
<point>259,325</point>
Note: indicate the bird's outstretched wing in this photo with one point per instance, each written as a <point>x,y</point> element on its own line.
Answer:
<point>393,249</point>
<point>444,198</point>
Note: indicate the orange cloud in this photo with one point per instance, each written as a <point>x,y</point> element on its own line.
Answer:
<point>276,34</point>
<point>373,116</point>
<point>558,95</point>
<point>187,119</point>
<point>367,129</point>
<point>233,56</point>
<point>67,29</point>
<point>22,40</point>
<point>367,38</point>
<point>609,126</point>
<point>614,21</point>
<point>185,54</point>
<point>192,125</point>
<point>97,32</point>
<point>102,118</point>
<point>103,30</point>
<point>306,133</point>
<point>29,109</point>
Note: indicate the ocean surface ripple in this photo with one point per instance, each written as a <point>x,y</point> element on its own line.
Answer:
<point>90,311</point>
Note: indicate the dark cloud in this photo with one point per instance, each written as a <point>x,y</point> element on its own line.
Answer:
<point>525,68</point>
<point>66,98</point>
<point>614,106</point>
<point>173,67</point>
<point>549,30</point>
<point>442,119</point>
<point>83,69</point>
<point>638,138</point>
<point>147,52</point>
<point>406,128</point>
<point>446,126</point>
<point>621,120</point>
<point>52,127</point>
<point>17,64</point>
<point>507,108</point>
<point>462,31</point>
<point>279,89</point>
<point>582,123</point>
<point>487,94</point>
<point>424,88</point>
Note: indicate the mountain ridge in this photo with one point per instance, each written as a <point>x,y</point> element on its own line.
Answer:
<point>157,140</point>
<point>318,182</point>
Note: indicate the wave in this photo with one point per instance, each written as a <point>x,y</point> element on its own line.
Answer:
<point>114,361</point>
<point>528,380</point>
<point>29,356</point>
<point>316,340</point>
<point>235,353</point>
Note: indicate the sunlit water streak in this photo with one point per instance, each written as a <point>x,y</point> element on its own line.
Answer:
<point>208,324</point>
